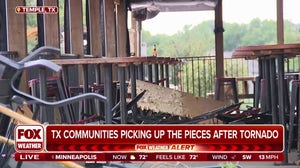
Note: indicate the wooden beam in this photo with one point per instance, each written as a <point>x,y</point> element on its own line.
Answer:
<point>122,28</point>
<point>51,26</point>
<point>117,60</point>
<point>74,32</point>
<point>280,22</point>
<point>95,35</point>
<point>219,40</point>
<point>16,35</point>
<point>110,32</point>
<point>76,27</point>
<point>138,37</point>
<point>16,29</point>
<point>95,28</point>
<point>133,36</point>
<point>110,29</point>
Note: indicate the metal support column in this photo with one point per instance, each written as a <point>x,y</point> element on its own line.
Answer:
<point>44,116</point>
<point>65,75</point>
<point>108,92</point>
<point>150,77</point>
<point>268,85</point>
<point>98,81</point>
<point>280,64</point>
<point>156,74</point>
<point>133,86</point>
<point>141,71</point>
<point>273,93</point>
<point>85,90</point>
<point>294,96</point>
<point>123,109</point>
<point>3,28</point>
<point>167,75</point>
<point>161,68</point>
<point>258,85</point>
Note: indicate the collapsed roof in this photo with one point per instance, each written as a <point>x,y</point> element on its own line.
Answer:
<point>146,9</point>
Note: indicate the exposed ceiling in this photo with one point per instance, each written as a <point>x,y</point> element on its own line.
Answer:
<point>146,9</point>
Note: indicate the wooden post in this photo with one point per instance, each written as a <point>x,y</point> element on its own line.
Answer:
<point>95,28</point>
<point>219,44</point>
<point>95,35</point>
<point>74,31</point>
<point>110,51</point>
<point>122,29</point>
<point>16,35</point>
<point>219,40</point>
<point>76,27</point>
<point>138,37</point>
<point>16,29</point>
<point>110,29</point>
<point>280,22</point>
<point>51,26</point>
<point>133,36</point>
<point>110,32</point>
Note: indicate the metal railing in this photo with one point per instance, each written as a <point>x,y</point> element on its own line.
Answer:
<point>196,75</point>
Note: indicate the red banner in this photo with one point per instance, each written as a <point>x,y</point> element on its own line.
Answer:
<point>164,138</point>
<point>149,143</point>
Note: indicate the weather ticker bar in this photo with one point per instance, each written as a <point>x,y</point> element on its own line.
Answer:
<point>93,157</point>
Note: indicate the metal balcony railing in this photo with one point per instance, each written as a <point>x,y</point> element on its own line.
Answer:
<point>196,75</point>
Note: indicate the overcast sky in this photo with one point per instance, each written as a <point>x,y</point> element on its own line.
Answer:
<point>239,11</point>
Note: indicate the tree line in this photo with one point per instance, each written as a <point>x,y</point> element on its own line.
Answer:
<point>199,40</point>
<point>198,77</point>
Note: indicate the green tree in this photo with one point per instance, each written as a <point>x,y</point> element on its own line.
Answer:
<point>233,35</point>
<point>191,41</point>
<point>259,33</point>
<point>199,40</point>
<point>291,32</point>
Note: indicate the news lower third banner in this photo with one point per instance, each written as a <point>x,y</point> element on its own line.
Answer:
<point>149,142</point>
